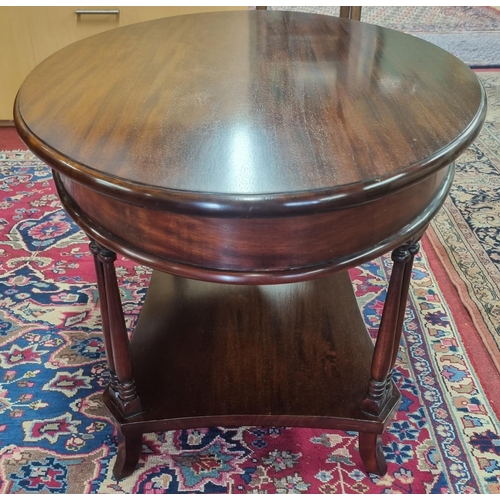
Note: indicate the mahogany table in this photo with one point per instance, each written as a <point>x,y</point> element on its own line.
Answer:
<point>250,159</point>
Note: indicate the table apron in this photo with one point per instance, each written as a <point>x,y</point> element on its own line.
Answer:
<point>255,250</point>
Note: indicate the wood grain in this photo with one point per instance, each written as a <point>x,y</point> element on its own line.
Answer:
<point>269,355</point>
<point>259,250</point>
<point>215,111</point>
<point>28,35</point>
<point>252,148</point>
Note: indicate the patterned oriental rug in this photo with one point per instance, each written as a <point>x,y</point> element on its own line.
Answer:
<point>57,437</point>
<point>466,232</point>
<point>470,33</point>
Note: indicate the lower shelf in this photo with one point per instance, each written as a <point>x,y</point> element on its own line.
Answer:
<point>284,355</point>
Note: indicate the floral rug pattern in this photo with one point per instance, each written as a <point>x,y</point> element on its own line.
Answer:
<point>56,436</point>
<point>467,229</point>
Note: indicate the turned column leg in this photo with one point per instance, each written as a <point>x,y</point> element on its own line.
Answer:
<point>413,250</point>
<point>115,334</point>
<point>385,354</point>
<point>392,319</point>
<point>99,270</point>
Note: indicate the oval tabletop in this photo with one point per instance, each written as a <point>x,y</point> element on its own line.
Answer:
<point>277,111</point>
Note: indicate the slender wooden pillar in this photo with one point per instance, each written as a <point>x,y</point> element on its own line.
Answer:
<point>386,351</point>
<point>413,249</point>
<point>116,339</point>
<point>99,270</point>
<point>388,335</point>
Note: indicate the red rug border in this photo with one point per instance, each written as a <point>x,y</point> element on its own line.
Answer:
<point>480,357</point>
<point>10,140</point>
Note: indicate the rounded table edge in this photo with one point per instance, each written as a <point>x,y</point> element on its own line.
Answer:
<point>415,228</point>
<point>251,205</point>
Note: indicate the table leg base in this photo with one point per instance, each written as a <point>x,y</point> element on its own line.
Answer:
<point>207,355</point>
<point>370,450</point>
<point>129,452</point>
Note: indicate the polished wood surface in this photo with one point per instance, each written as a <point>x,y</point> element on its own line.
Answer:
<point>268,355</point>
<point>256,250</point>
<point>251,148</point>
<point>28,35</point>
<point>222,111</point>
<point>289,346</point>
